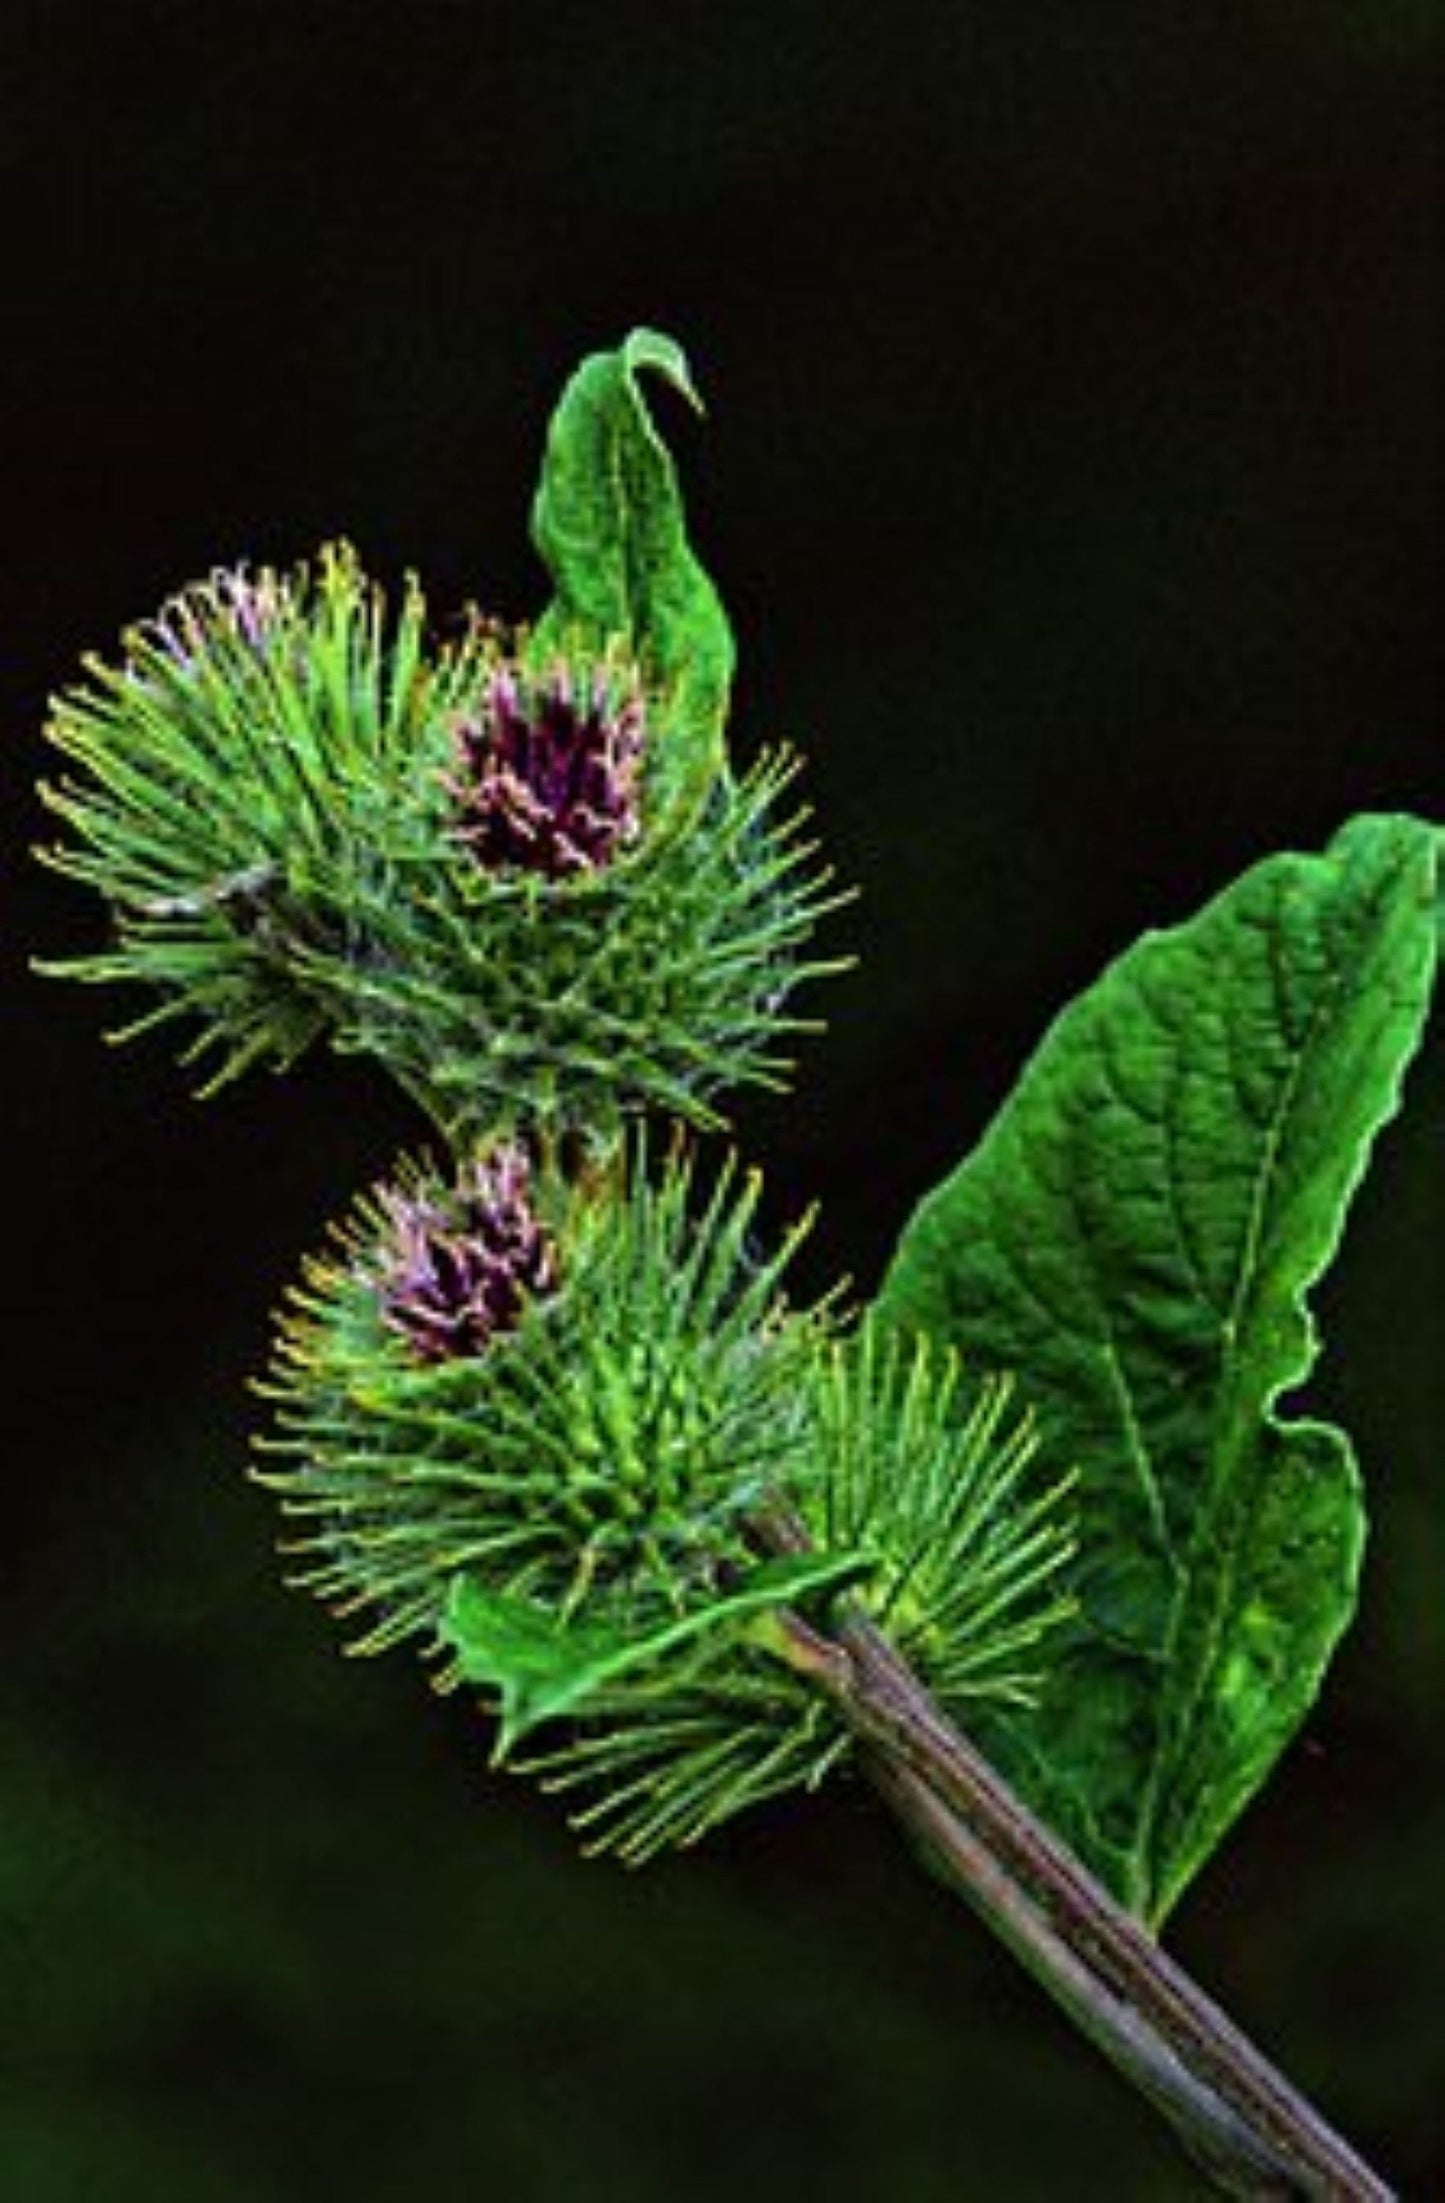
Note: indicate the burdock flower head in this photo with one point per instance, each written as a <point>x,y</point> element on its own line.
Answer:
<point>243,795</point>
<point>524,1422</point>
<point>496,1363</point>
<point>548,773</point>
<point>537,1428</point>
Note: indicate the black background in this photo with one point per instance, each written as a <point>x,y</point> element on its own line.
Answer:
<point>1072,476</point>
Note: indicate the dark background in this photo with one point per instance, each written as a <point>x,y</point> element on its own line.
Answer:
<point>1073,477</point>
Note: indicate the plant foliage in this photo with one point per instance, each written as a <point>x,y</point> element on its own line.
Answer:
<point>1137,1233</point>
<point>538,1404</point>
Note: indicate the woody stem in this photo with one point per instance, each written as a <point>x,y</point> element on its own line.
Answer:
<point>1253,2133</point>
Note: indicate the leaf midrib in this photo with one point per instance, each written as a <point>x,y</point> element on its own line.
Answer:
<point>1233,1423</point>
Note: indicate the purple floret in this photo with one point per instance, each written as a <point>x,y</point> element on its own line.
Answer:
<point>548,771</point>
<point>460,1268</point>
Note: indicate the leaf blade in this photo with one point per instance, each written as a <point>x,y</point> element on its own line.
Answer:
<point>543,1666</point>
<point>1135,1237</point>
<point>609,523</point>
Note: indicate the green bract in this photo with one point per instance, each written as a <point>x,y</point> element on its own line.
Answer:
<point>521,872</point>
<point>915,1494</point>
<point>934,1474</point>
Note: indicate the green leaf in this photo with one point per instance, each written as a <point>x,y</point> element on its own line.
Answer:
<point>1135,1237</point>
<point>542,1665</point>
<point>608,521</point>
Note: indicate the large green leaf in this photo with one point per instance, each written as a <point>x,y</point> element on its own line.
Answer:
<point>609,522</point>
<point>1135,1237</point>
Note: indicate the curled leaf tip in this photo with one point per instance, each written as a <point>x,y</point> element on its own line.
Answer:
<point>645,347</point>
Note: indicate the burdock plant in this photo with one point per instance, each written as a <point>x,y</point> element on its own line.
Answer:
<point>1030,1541</point>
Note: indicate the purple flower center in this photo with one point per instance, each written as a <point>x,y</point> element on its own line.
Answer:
<point>459,1268</point>
<point>548,770</point>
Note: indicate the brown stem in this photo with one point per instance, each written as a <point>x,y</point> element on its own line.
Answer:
<point>1253,2133</point>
